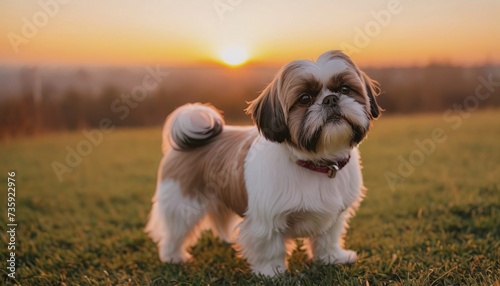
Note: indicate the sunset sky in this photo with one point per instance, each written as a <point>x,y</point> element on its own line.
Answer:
<point>182,32</point>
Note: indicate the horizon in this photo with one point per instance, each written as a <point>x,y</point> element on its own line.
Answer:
<point>246,65</point>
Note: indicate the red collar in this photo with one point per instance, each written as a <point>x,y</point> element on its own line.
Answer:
<point>330,168</point>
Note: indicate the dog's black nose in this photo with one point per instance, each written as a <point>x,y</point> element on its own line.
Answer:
<point>330,100</point>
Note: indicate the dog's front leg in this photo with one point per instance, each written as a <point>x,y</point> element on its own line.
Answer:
<point>328,247</point>
<point>263,247</point>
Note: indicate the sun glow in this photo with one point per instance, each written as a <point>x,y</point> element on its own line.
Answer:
<point>234,56</point>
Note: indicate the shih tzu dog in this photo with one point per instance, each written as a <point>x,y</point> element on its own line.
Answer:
<point>296,174</point>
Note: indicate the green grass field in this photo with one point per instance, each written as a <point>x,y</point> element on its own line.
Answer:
<point>439,225</point>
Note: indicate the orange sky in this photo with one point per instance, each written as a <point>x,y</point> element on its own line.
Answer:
<point>182,32</point>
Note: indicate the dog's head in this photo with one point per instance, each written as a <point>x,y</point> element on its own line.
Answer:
<point>318,108</point>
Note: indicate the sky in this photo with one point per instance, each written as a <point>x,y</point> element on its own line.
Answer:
<point>376,33</point>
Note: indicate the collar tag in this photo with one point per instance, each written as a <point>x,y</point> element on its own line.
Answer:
<point>332,171</point>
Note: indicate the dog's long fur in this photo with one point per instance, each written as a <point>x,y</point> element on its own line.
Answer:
<point>244,181</point>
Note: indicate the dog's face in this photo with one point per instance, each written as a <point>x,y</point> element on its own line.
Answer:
<point>318,108</point>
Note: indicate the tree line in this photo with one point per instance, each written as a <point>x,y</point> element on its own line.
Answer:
<point>434,88</point>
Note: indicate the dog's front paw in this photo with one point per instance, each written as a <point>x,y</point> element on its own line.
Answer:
<point>340,256</point>
<point>345,256</point>
<point>174,257</point>
<point>269,269</point>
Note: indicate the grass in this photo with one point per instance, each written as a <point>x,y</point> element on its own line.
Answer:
<point>438,226</point>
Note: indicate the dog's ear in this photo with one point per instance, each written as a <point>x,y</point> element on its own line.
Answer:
<point>268,115</point>
<point>373,90</point>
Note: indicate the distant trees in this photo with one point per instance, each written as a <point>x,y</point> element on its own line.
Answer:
<point>433,88</point>
<point>38,109</point>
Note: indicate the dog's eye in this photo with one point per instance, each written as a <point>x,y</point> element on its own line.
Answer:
<point>345,89</point>
<point>305,99</point>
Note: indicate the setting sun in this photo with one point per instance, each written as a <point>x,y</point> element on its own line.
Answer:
<point>234,56</point>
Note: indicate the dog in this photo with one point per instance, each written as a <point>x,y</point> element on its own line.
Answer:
<point>295,174</point>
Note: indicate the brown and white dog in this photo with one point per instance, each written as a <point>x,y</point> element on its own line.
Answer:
<point>296,174</point>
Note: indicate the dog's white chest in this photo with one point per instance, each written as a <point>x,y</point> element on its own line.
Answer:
<point>296,201</point>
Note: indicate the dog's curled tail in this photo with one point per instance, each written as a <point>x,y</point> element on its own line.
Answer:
<point>191,126</point>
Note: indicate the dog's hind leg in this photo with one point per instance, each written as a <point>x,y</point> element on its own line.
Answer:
<point>174,222</point>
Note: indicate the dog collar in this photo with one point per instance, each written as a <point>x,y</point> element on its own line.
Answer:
<point>330,169</point>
